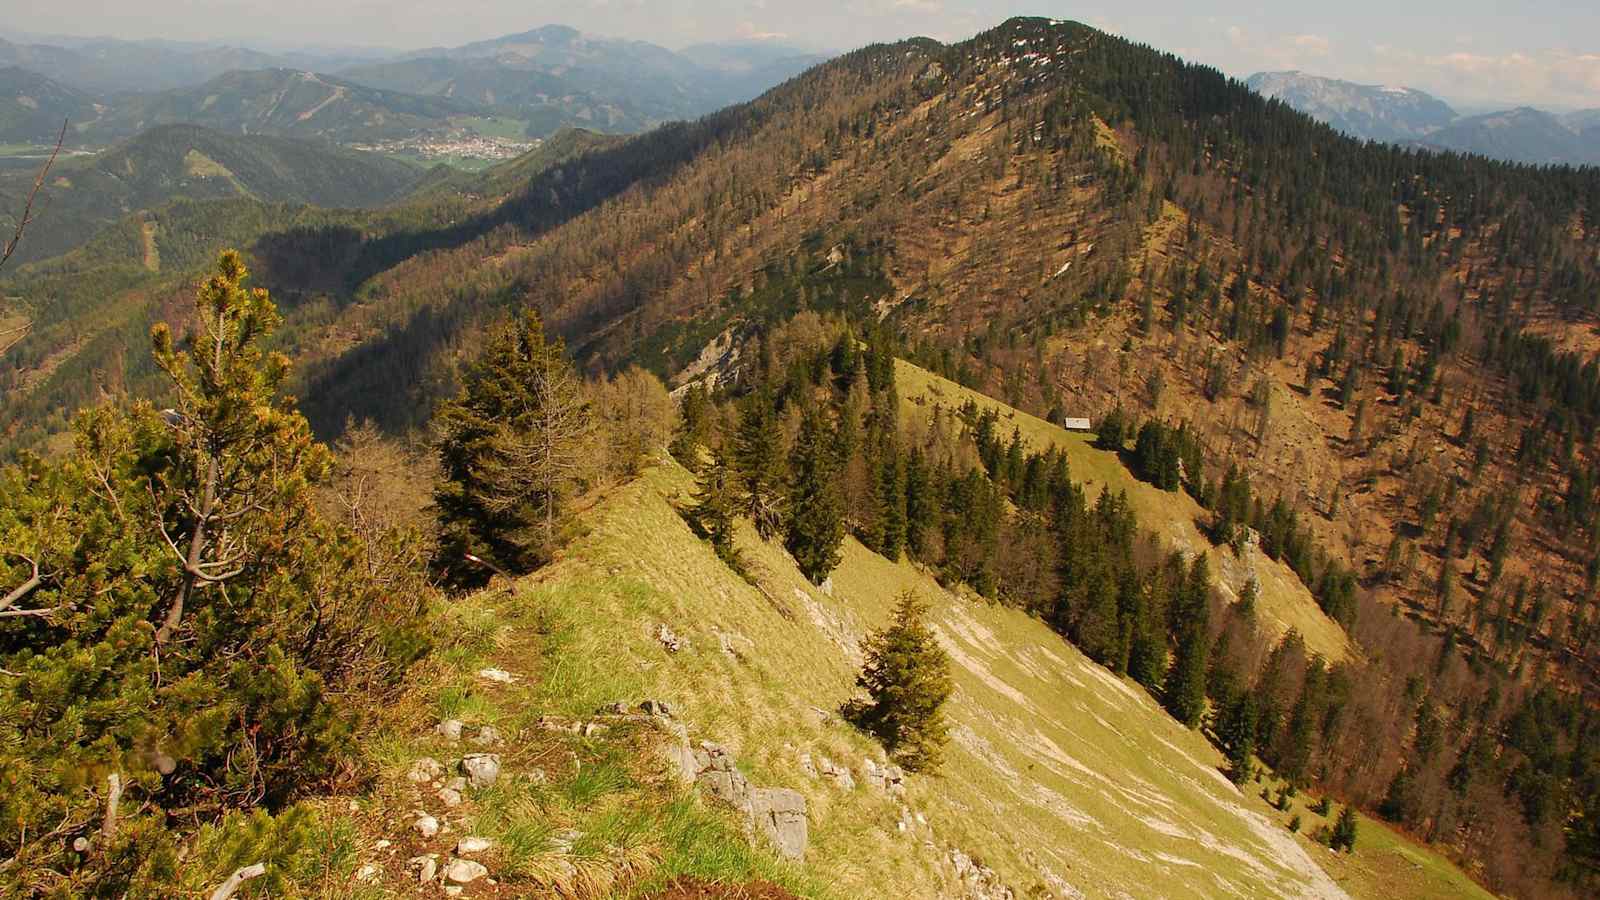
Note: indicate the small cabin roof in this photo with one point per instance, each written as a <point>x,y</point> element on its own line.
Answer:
<point>1075,424</point>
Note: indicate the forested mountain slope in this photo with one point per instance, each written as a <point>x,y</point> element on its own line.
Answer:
<point>284,103</point>
<point>162,164</point>
<point>1374,362</point>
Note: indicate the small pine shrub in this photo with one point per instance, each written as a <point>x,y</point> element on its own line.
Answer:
<point>1344,832</point>
<point>907,680</point>
<point>1294,823</point>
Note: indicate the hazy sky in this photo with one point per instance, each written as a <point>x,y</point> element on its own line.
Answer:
<point>1536,51</point>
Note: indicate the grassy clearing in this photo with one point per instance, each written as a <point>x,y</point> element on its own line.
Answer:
<point>496,126</point>
<point>1383,860</point>
<point>1284,603</point>
<point>1057,770</point>
<point>578,816</point>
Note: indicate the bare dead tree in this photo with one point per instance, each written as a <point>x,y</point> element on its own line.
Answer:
<point>10,337</point>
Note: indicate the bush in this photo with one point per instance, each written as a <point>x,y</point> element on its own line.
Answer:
<point>1294,823</point>
<point>907,680</point>
<point>186,628</point>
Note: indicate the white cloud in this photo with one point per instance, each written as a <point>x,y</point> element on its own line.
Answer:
<point>748,31</point>
<point>1262,50</point>
<point>1537,76</point>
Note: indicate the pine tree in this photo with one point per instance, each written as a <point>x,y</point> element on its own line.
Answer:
<point>511,451</point>
<point>1184,694</point>
<point>907,679</point>
<point>183,627</point>
<point>758,462</point>
<point>1236,731</point>
<point>714,510</point>
<point>815,527</point>
<point>1344,831</point>
<point>921,507</point>
<point>891,518</point>
<point>694,426</point>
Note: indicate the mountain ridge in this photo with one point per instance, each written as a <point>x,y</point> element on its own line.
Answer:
<point>1411,117</point>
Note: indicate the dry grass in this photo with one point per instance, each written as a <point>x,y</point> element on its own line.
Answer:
<point>1058,769</point>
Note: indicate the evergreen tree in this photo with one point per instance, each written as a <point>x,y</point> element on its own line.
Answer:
<point>758,461</point>
<point>1184,694</point>
<point>1112,433</point>
<point>183,629</point>
<point>891,518</point>
<point>921,505</point>
<point>1344,831</point>
<point>694,426</point>
<point>511,449</point>
<point>1236,732</point>
<point>714,510</point>
<point>907,679</point>
<point>815,527</point>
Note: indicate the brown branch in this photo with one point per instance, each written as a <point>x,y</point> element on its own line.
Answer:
<point>239,876</point>
<point>13,613</point>
<point>27,206</point>
<point>25,588</point>
<point>108,828</point>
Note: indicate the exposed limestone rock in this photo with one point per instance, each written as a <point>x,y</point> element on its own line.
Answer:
<point>464,871</point>
<point>977,881</point>
<point>498,676</point>
<point>734,644</point>
<point>777,813</point>
<point>488,736</point>
<point>837,774</point>
<point>658,708</point>
<point>449,729</point>
<point>680,760</point>
<point>472,844</point>
<point>427,868</point>
<point>890,779</point>
<point>481,769</point>
<point>450,797</point>
<point>669,641</point>
<point>425,770</point>
<point>557,723</point>
<point>807,767</point>
<point>426,825</point>
<point>780,814</point>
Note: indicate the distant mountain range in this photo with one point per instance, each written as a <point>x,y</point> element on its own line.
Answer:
<point>1409,116</point>
<point>543,80</point>
<point>557,76</point>
<point>169,162</point>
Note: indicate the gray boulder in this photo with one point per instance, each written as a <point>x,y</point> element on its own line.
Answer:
<point>780,814</point>
<point>481,769</point>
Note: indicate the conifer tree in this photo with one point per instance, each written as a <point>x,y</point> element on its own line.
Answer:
<point>758,462</point>
<point>1185,692</point>
<point>1344,831</point>
<point>1236,731</point>
<point>920,504</point>
<point>714,511</point>
<point>891,518</point>
<point>815,527</point>
<point>511,451</point>
<point>183,628</point>
<point>907,679</point>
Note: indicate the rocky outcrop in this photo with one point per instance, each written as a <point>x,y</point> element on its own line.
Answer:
<point>891,779</point>
<point>977,881</point>
<point>778,814</point>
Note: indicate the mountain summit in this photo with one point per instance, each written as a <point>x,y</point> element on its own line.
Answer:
<point>1359,110</point>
